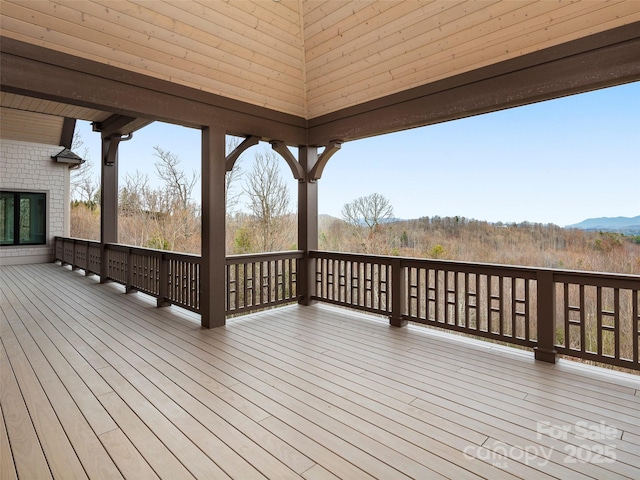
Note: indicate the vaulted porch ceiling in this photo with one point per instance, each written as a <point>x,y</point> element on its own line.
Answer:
<point>318,66</point>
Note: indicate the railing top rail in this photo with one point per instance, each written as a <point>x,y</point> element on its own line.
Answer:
<point>78,240</point>
<point>152,251</point>
<point>361,257</point>
<point>559,274</point>
<point>251,257</point>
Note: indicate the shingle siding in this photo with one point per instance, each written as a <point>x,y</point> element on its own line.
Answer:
<point>29,167</point>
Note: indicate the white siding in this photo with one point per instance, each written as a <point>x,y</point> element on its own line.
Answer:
<point>29,167</point>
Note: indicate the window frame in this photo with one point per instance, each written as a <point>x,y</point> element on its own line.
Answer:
<point>16,243</point>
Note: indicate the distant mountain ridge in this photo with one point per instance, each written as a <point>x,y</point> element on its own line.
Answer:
<point>610,224</point>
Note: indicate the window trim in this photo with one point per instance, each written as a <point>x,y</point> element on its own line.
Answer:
<point>17,192</point>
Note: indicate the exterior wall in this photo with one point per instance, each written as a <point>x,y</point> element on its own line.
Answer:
<point>29,167</point>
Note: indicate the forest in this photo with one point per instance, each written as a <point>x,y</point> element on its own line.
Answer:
<point>261,218</point>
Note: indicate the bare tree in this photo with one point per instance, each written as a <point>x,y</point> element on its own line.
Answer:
<point>84,184</point>
<point>269,203</point>
<point>177,183</point>
<point>365,216</point>
<point>369,211</point>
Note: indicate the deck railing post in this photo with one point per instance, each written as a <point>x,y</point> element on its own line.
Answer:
<point>546,304</point>
<point>163,287</point>
<point>398,281</point>
<point>87,271</point>
<point>74,266</point>
<point>128,268</point>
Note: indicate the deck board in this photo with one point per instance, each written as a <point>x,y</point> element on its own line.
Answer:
<point>295,392</point>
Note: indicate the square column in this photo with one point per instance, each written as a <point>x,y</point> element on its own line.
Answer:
<point>213,255</point>
<point>307,225</point>
<point>108,201</point>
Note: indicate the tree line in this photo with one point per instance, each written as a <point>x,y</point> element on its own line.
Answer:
<point>260,218</point>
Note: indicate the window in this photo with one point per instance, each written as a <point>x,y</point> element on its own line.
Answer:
<point>23,218</point>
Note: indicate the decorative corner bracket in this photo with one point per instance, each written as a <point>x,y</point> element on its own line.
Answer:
<point>296,168</point>
<point>231,159</point>
<point>112,142</point>
<point>316,171</point>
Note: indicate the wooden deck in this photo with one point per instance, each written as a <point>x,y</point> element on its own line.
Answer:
<point>96,383</point>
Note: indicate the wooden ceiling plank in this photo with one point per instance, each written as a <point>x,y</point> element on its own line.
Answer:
<point>16,101</point>
<point>90,33</point>
<point>401,39</point>
<point>310,6</point>
<point>266,43</point>
<point>284,18</point>
<point>211,44</point>
<point>330,14</point>
<point>466,41</point>
<point>200,44</point>
<point>367,15</point>
<point>382,85</point>
<point>313,11</point>
<point>32,104</point>
<point>532,22</point>
<point>390,52</point>
<point>99,18</point>
<point>363,27</point>
<point>241,89</point>
<point>33,127</point>
<point>481,54</point>
<point>383,74</point>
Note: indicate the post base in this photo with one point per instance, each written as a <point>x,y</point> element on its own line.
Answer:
<point>163,303</point>
<point>398,322</point>
<point>307,302</point>
<point>544,355</point>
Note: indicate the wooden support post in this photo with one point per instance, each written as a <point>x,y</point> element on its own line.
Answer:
<point>545,350</point>
<point>398,290</point>
<point>213,259</point>
<point>108,201</point>
<point>307,227</point>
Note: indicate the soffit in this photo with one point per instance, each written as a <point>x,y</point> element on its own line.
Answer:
<point>306,58</point>
<point>29,104</point>
<point>41,121</point>
<point>30,127</point>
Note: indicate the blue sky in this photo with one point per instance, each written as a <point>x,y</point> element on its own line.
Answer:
<point>560,161</point>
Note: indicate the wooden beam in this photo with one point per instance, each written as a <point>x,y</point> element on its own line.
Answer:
<point>120,125</point>
<point>68,130</point>
<point>38,72</point>
<point>601,60</point>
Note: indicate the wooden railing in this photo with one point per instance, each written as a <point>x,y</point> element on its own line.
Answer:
<point>594,316</point>
<point>253,281</point>
<point>261,280</point>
